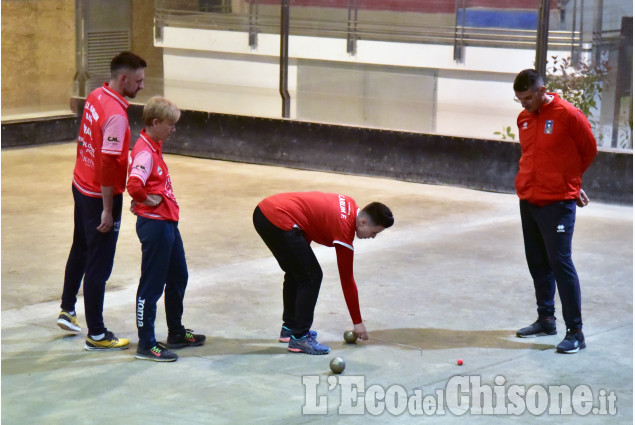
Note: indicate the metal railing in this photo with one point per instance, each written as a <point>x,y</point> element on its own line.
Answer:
<point>255,23</point>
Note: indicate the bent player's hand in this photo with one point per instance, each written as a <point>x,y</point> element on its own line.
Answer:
<point>106,222</point>
<point>360,330</point>
<point>582,200</point>
<point>132,205</point>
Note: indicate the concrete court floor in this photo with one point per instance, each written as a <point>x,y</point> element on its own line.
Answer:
<point>448,281</point>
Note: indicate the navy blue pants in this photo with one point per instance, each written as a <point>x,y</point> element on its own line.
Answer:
<point>548,232</point>
<point>163,265</point>
<point>91,258</point>
<point>302,272</point>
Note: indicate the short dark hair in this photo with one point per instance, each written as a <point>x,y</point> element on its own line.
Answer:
<point>126,60</point>
<point>528,79</point>
<point>379,214</point>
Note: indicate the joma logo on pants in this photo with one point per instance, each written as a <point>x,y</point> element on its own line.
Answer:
<point>140,304</point>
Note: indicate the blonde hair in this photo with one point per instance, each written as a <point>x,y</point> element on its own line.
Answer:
<point>162,109</point>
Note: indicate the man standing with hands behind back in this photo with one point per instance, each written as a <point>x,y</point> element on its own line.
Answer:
<point>557,146</point>
<point>99,180</point>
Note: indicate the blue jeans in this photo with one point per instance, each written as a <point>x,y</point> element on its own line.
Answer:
<point>548,232</point>
<point>163,265</point>
<point>91,258</point>
<point>302,272</point>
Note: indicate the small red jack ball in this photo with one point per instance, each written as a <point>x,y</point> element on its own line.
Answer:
<point>459,362</point>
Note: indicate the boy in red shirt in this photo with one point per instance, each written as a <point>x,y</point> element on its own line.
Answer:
<point>287,223</point>
<point>163,257</point>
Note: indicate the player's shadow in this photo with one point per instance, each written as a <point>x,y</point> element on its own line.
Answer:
<point>438,339</point>
<point>46,354</point>
<point>65,351</point>
<point>420,338</point>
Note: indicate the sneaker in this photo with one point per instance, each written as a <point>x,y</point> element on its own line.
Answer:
<point>572,343</point>
<point>107,343</point>
<point>541,327</point>
<point>285,334</point>
<point>307,345</point>
<point>158,353</point>
<point>187,339</point>
<point>68,321</point>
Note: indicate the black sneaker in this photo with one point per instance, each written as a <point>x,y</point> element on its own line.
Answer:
<point>158,353</point>
<point>572,343</point>
<point>541,327</point>
<point>186,339</point>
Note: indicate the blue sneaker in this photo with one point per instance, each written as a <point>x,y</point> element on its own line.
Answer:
<point>285,334</point>
<point>307,345</point>
<point>572,343</point>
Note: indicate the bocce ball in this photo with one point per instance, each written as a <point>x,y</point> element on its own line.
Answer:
<point>350,337</point>
<point>338,365</point>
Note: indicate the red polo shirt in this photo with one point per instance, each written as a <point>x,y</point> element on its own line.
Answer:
<point>103,143</point>
<point>149,175</point>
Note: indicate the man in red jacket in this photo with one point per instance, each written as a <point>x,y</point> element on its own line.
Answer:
<point>557,146</point>
<point>287,223</point>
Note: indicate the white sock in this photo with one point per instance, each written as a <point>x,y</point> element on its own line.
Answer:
<point>97,337</point>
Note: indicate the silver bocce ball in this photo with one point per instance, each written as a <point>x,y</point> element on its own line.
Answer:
<point>337,365</point>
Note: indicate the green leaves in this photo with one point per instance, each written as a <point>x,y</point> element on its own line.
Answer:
<point>580,85</point>
<point>506,133</point>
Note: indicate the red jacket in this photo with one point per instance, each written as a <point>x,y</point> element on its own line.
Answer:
<point>557,146</point>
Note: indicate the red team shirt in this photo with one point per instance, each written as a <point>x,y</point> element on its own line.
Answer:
<point>328,219</point>
<point>103,143</point>
<point>149,174</point>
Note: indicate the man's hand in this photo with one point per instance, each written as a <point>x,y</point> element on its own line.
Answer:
<point>153,200</point>
<point>360,330</point>
<point>582,200</point>
<point>106,222</point>
<point>106,213</point>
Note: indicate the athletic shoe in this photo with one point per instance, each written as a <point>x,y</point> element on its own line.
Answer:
<point>307,345</point>
<point>186,339</point>
<point>285,334</point>
<point>108,343</point>
<point>572,343</point>
<point>541,327</point>
<point>68,321</point>
<point>158,353</point>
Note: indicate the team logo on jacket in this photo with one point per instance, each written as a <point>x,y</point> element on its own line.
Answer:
<point>160,171</point>
<point>549,127</point>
